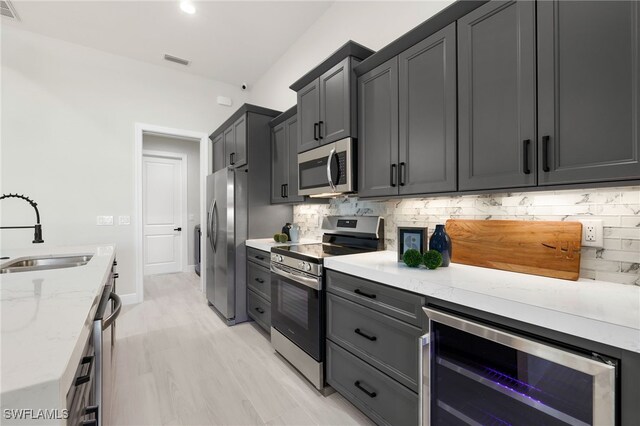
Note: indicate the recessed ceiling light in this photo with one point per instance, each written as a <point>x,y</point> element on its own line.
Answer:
<point>187,7</point>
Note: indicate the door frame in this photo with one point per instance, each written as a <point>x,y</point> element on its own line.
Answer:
<point>205,168</point>
<point>184,238</point>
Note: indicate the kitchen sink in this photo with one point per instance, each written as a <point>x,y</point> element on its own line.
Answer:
<point>40,263</point>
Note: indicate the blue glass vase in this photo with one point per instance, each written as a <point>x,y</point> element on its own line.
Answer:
<point>441,242</point>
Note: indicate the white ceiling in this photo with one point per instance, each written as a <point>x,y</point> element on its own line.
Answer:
<point>234,42</point>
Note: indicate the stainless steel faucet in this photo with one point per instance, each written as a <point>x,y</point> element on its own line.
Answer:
<point>37,234</point>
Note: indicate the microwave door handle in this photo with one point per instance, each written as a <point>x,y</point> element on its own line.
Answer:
<point>329,178</point>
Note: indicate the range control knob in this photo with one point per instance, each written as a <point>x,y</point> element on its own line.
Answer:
<point>301,265</point>
<point>278,258</point>
<point>307,266</point>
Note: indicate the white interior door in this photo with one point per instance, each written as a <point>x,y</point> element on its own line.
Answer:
<point>162,211</point>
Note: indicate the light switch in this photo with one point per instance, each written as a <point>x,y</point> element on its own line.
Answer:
<point>104,220</point>
<point>124,220</point>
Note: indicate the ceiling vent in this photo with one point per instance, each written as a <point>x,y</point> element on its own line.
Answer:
<point>175,59</point>
<point>8,10</point>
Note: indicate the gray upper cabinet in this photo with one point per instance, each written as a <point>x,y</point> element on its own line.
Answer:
<point>378,130</point>
<point>497,96</point>
<point>427,111</point>
<point>291,129</point>
<point>279,163</point>
<point>589,91</point>
<point>218,153</point>
<point>229,144</point>
<point>238,157</point>
<point>308,116</point>
<point>336,92</point>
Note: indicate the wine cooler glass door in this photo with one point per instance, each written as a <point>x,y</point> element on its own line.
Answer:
<point>478,375</point>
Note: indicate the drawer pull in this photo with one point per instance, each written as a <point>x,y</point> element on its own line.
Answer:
<point>260,280</point>
<point>259,257</point>
<point>359,386</point>
<point>366,336</point>
<point>260,310</point>
<point>362,293</point>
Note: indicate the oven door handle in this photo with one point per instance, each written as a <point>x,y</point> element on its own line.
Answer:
<point>314,283</point>
<point>329,178</point>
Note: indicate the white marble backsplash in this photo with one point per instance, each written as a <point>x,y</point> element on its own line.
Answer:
<point>618,208</point>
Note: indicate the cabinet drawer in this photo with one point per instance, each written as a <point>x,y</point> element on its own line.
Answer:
<point>388,344</point>
<point>383,399</point>
<point>260,257</point>
<point>259,280</point>
<point>260,310</point>
<point>399,304</point>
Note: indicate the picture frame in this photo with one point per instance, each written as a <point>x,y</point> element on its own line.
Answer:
<point>412,237</point>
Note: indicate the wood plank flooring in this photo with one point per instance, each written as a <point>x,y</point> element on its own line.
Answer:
<point>177,363</point>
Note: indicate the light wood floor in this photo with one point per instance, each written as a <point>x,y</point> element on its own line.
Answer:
<point>177,363</point>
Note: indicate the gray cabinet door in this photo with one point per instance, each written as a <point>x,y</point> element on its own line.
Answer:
<point>335,114</point>
<point>229,144</point>
<point>291,191</point>
<point>279,163</point>
<point>308,116</point>
<point>589,91</point>
<point>427,111</point>
<point>239,155</point>
<point>219,159</point>
<point>378,131</point>
<point>496,96</point>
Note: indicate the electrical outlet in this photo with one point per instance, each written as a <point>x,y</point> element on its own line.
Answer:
<point>124,220</point>
<point>104,220</point>
<point>592,233</point>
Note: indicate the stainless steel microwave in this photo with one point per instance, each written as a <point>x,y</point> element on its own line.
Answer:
<point>327,171</point>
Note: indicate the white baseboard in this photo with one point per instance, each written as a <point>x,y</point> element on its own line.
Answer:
<point>189,268</point>
<point>129,299</point>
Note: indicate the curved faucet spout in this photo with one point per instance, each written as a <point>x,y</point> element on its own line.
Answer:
<point>37,235</point>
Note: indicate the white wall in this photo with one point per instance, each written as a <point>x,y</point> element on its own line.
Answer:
<point>68,115</point>
<point>372,24</point>
<point>190,148</point>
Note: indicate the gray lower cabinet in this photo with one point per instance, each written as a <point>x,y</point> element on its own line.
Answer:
<point>259,288</point>
<point>218,153</point>
<point>373,334</point>
<point>378,130</point>
<point>497,96</point>
<point>588,91</point>
<point>284,160</point>
<point>427,110</point>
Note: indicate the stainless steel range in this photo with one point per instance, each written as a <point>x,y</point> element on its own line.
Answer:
<point>297,289</point>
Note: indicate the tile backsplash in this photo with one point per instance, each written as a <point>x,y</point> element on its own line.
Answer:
<point>618,208</point>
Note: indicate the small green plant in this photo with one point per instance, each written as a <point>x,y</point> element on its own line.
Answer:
<point>281,238</point>
<point>276,237</point>
<point>412,258</point>
<point>432,259</point>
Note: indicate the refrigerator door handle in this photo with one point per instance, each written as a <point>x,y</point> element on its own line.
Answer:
<point>209,220</point>
<point>214,241</point>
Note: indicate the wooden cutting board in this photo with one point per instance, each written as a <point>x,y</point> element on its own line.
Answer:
<point>550,249</point>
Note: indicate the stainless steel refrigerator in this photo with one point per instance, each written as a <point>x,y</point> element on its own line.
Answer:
<point>239,208</point>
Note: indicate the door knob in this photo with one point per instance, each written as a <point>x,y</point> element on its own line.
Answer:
<point>178,229</point>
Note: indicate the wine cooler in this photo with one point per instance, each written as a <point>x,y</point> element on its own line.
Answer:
<point>474,374</point>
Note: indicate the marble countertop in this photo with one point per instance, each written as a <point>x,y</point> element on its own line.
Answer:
<point>599,311</point>
<point>46,321</point>
<point>265,244</point>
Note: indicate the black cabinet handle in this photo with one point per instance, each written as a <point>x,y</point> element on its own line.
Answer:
<point>366,336</point>
<point>282,191</point>
<point>403,173</point>
<point>259,257</point>
<point>393,175</point>
<point>232,158</point>
<point>178,229</point>
<point>286,190</point>
<point>525,156</point>
<point>260,280</point>
<point>116,275</point>
<point>260,310</point>
<point>362,293</point>
<point>359,386</point>
<point>320,123</point>
<point>315,131</point>
<point>545,153</point>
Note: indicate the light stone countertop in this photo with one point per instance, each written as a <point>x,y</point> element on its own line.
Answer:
<point>595,310</point>
<point>265,244</point>
<point>46,321</point>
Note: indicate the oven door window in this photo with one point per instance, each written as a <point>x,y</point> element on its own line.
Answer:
<point>295,312</point>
